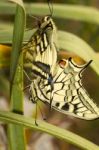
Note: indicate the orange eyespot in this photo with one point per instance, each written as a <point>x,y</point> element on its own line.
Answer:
<point>62,63</point>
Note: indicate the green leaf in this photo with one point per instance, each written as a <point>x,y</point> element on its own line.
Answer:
<point>19,2</point>
<point>17,39</point>
<point>71,42</point>
<point>15,132</point>
<point>63,134</point>
<point>81,13</point>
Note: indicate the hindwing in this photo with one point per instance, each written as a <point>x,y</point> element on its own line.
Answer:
<point>68,94</point>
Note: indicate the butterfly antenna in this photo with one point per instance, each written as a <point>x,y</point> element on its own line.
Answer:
<point>50,4</point>
<point>36,18</point>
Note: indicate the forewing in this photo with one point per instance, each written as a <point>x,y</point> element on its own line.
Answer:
<point>41,48</point>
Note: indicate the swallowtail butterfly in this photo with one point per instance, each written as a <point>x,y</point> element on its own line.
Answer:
<point>68,94</point>
<point>41,48</point>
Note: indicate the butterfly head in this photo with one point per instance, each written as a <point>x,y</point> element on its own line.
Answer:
<point>46,22</point>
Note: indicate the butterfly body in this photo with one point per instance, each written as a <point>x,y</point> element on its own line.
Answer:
<point>41,48</point>
<point>68,95</point>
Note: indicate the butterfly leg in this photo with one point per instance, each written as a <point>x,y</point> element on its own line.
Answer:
<point>28,86</point>
<point>36,111</point>
<point>27,76</point>
<point>25,73</point>
<point>34,99</point>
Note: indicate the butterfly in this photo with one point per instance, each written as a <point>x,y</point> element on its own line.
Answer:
<point>68,94</point>
<point>41,48</point>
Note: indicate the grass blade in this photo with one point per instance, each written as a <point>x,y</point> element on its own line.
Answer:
<point>75,44</point>
<point>15,132</point>
<point>76,12</point>
<point>81,13</point>
<point>68,136</point>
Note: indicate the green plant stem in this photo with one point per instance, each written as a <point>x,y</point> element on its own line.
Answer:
<point>15,132</point>
<point>68,136</point>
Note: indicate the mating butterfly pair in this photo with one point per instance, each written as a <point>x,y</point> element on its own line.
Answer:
<point>56,83</point>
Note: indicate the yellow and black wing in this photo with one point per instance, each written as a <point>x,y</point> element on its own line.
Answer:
<point>41,48</point>
<point>68,94</point>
